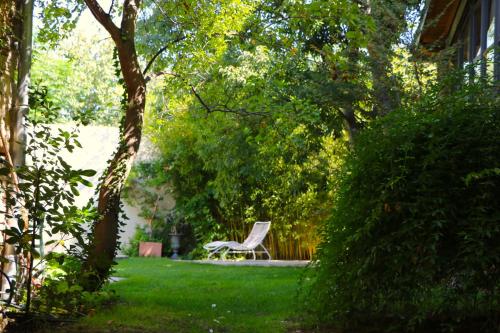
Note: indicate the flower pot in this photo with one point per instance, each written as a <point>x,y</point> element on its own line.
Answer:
<point>150,249</point>
<point>175,244</point>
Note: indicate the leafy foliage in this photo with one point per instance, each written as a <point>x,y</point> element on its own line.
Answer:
<point>59,18</point>
<point>194,33</point>
<point>228,171</point>
<point>412,244</point>
<point>48,190</point>
<point>254,128</point>
<point>41,203</point>
<point>60,292</point>
<point>83,85</point>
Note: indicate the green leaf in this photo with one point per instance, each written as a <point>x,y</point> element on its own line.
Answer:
<point>87,173</point>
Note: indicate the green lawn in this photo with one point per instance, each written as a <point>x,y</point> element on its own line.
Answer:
<point>161,295</point>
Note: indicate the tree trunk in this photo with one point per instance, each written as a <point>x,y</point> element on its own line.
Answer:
<point>8,57</point>
<point>8,63</point>
<point>351,123</point>
<point>105,233</point>
<point>390,22</point>
<point>18,113</point>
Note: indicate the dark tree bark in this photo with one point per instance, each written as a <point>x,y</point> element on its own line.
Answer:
<point>390,23</point>
<point>24,37</point>
<point>8,64</point>
<point>8,58</point>
<point>103,244</point>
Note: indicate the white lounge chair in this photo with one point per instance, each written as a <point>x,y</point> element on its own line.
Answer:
<point>254,240</point>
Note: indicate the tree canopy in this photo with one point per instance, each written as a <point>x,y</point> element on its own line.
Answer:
<point>254,103</point>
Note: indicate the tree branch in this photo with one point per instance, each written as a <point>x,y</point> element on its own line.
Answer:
<point>160,51</point>
<point>150,63</point>
<point>149,77</point>
<point>202,102</point>
<point>210,109</point>
<point>103,18</point>
<point>111,7</point>
<point>224,108</point>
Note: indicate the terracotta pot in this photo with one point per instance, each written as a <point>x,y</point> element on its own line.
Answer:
<point>150,249</point>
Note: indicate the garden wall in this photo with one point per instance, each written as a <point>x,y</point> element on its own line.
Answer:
<point>98,145</point>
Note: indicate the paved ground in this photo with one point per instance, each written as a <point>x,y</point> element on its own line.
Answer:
<point>115,279</point>
<point>266,263</point>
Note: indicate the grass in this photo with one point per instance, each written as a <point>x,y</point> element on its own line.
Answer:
<point>161,295</point>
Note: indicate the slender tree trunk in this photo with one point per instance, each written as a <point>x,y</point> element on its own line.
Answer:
<point>7,70</point>
<point>103,246</point>
<point>9,21</point>
<point>352,124</point>
<point>18,132</point>
<point>386,90</point>
<point>390,22</point>
<point>8,57</point>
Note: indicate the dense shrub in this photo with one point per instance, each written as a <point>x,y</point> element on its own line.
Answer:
<point>413,243</point>
<point>59,292</point>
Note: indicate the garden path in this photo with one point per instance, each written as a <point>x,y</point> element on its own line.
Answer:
<point>263,263</point>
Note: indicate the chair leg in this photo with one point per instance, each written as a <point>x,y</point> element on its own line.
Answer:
<point>253,254</point>
<point>266,251</point>
<point>213,252</point>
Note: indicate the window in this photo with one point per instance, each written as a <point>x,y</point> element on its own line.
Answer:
<point>477,36</point>
<point>488,53</point>
<point>490,35</point>
<point>463,45</point>
<point>476,33</point>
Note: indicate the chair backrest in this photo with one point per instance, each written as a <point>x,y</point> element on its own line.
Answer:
<point>257,235</point>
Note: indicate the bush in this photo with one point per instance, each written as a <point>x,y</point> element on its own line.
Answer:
<point>60,291</point>
<point>413,243</point>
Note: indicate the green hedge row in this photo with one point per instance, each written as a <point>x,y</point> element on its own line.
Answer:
<point>414,240</point>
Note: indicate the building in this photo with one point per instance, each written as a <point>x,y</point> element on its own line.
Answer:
<point>470,27</point>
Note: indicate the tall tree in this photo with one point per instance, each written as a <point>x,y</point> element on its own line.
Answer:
<point>17,115</point>
<point>348,48</point>
<point>8,64</point>
<point>203,29</point>
<point>390,21</point>
<point>105,232</point>
<point>16,18</point>
<point>8,56</point>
